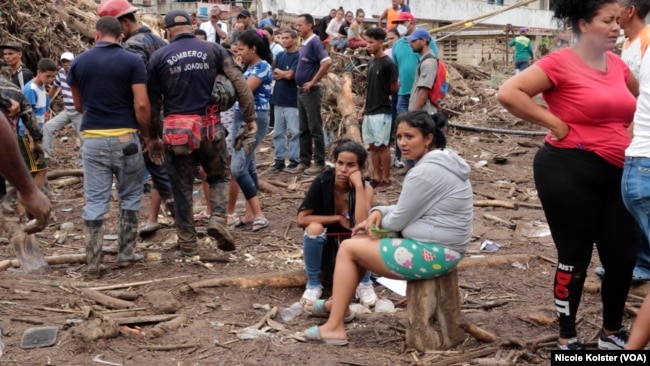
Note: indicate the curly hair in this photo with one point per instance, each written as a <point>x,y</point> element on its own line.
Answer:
<point>572,11</point>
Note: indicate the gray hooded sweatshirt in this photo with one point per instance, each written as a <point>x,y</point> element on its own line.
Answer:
<point>436,203</point>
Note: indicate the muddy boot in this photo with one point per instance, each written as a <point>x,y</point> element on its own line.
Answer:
<point>93,238</point>
<point>218,229</point>
<point>126,239</point>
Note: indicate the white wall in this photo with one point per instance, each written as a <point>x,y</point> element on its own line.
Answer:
<point>449,10</point>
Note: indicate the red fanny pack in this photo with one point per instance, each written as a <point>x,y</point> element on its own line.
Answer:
<point>182,130</point>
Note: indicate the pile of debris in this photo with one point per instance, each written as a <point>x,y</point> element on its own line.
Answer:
<point>47,28</point>
<point>471,99</point>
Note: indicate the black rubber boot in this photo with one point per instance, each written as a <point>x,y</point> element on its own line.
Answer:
<point>126,239</point>
<point>93,238</point>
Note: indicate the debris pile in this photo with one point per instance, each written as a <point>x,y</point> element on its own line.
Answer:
<point>47,28</point>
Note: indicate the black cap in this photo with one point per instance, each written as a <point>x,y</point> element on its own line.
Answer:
<point>244,13</point>
<point>177,17</point>
<point>13,45</point>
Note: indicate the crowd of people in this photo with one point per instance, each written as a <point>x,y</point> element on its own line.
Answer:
<point>199,103</point>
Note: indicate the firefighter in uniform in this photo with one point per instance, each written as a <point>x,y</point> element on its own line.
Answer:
<point>181,80</point>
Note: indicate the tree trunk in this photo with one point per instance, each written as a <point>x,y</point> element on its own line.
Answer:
<point>433,313</point>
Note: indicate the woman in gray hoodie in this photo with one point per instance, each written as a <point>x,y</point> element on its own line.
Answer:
<point>433,214</point>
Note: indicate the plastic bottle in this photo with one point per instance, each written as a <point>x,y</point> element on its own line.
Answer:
<point>290,312</point>
<point>384,306</point>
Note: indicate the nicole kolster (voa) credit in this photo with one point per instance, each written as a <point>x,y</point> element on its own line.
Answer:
<point>597,357</point>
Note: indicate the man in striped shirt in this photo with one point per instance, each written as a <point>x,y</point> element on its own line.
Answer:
<point>69,114</point>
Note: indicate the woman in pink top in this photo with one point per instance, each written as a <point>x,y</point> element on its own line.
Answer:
<point>590,93</point>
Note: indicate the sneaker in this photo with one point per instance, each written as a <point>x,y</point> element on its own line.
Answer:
<point>314,169</point>
<point>217,229</point>
<point>366,295</point>
<point>277,168</point>
<point>300,168</point>
<point>148,227</point>
<point>311,295</point>
<point>572,345</point>
<point>614,341</point>
<point>269,132</point>
<point>398,163</point>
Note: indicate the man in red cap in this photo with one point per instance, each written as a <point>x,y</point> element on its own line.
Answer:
<point>407,63</point>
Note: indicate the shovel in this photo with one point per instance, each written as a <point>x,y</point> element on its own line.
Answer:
<point>29,254</point>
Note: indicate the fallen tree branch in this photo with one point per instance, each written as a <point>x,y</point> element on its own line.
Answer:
<point>145,319</point>
<point>51,260</point>
<point>496,203</point>
<point>506,223</point>
<point>477,332</point>
<point>294,278</point>
<point>133,284</point>
<point>168,326</point>
<point>54,174</point>
<point>109,302</point>
<point>169,347</point>
<point>469,262</point>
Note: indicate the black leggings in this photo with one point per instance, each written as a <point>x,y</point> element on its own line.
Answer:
<point>581,196</point>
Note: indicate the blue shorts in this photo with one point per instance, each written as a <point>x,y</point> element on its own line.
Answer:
<point>376,129</point>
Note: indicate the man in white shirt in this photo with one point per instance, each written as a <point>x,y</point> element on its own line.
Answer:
<point>637,155</point>
<point>214,28</point>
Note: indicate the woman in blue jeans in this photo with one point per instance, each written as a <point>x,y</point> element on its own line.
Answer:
<point>256,55</point>
<point>337,199</point>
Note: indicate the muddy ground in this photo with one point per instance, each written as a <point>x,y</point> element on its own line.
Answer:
<point>512,300</point>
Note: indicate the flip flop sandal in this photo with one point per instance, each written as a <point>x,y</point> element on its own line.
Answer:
<point>313,334</point>
<point>260,224</point>
<point>201,216</point>
<point>318,311</point>
<point>239,223</point>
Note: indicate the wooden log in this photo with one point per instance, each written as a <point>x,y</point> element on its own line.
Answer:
<point>109,302</point>
<point>294,278</point>
<point>145,319</point>
<point>61,182</point>
<point>54,174</point>
<point>124,295</point>
<point>477,332</point>
<point>345,103</point>
<point>433,313</point>
<point>506,223</point>
<point>496,203</point>
<point>491,261</point>
<point>278,183</point>
<point>167,326</point>
<point>341,89</point>
<point>267,187</point>
<point>52,260</point>
<point>169,347</point>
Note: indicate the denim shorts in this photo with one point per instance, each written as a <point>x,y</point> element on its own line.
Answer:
<point>376,129</point>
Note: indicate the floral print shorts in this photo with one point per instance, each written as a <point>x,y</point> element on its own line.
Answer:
<point>415,260</point>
